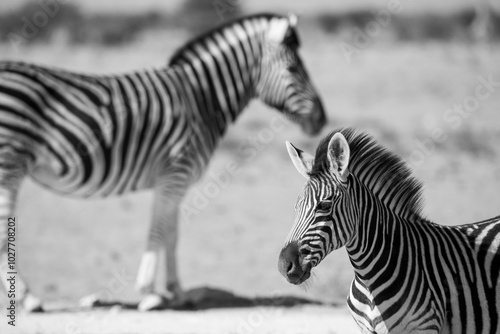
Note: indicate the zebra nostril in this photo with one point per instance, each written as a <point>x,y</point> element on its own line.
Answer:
<point>289,269</point>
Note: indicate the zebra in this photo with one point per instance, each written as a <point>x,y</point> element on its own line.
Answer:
<point>94,136</point>
<point>410,275</point>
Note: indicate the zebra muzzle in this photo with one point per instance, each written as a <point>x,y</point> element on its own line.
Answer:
<point>291,266</point>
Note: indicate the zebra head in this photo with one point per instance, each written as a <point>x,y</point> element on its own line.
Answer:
<point>283,82</point>
<point>322,223</point>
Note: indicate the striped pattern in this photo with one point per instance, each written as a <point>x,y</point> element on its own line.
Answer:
<point>97,136</point>
<point>90,136</point>
<point>411,275</point>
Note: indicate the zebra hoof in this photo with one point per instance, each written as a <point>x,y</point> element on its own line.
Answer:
<point>176,295</point>
<point>32,304</point>
<point>152,302</point>
<point>89,301</point>
<point>179,300</point>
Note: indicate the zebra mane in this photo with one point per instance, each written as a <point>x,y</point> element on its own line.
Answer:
<point>378,168</point>
<point>189,45</point>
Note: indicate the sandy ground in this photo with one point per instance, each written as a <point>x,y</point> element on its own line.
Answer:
<point>269,320</point>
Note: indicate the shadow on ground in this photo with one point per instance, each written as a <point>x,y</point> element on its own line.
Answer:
<point>203,298</point>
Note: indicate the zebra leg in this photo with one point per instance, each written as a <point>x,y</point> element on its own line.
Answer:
<point>162,237</point>
<point>171,233</point>
<point>10,180</point>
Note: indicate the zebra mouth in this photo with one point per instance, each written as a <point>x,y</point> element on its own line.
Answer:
<point>302,278</point>
<point>306,273</point>
<point>311,129</point>
<point>313,124</point>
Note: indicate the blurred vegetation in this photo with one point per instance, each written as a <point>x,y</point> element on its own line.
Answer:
<point>472,142</point>
<point>201,15</point>
<point>416,27</point>
<point>73,26</point>
<point>70,24</point>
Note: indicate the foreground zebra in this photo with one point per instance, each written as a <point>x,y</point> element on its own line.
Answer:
<point>411,275</point>
<point>96,136</point>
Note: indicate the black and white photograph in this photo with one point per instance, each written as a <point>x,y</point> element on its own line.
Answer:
<point>249,167</point>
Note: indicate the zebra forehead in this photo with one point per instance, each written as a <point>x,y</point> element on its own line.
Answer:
<point>315,189</point>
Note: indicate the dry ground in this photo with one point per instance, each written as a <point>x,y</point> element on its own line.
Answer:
<point>265,320</point>
<point>69,248</point>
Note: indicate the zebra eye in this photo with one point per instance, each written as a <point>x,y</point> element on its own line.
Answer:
<point>324,205</point>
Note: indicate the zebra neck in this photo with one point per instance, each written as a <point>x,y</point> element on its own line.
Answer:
<point>384,243</point>
<point>380,238</point>
<point>215,103</point>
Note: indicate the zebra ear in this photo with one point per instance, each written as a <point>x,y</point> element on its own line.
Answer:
<point>302,161</point>
<point>278,30</point>
<point>338,156</point>
<point>292,18</point>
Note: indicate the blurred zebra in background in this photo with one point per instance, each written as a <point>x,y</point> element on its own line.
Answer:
<point>97,136</point>
<point>411,275</point>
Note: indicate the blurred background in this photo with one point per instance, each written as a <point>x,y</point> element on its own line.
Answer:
<point>400,76</point>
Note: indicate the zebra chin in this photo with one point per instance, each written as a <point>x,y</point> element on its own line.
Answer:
<point>292,266</point>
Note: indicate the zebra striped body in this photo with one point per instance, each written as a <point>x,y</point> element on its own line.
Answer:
<point>457,280</point>
<point>97,136</point>
<point>411,275</point>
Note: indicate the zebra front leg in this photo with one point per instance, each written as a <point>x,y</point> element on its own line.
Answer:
<point>171,236</point>
<point>9,184</point>
<point>162,237</point>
